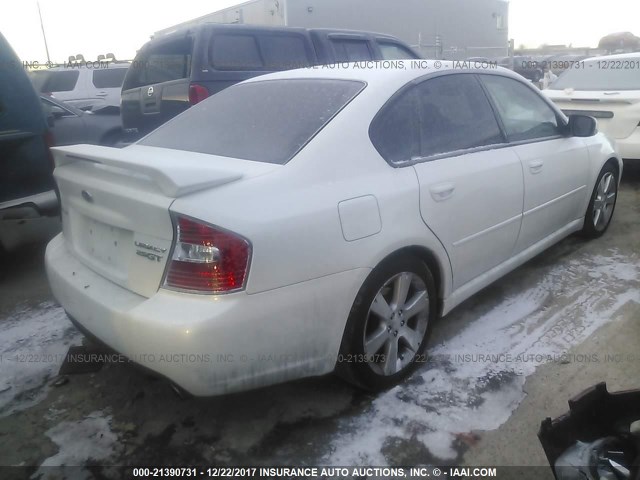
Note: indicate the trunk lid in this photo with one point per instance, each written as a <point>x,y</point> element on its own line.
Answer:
<point>115,204</point>
<point>617,112</point>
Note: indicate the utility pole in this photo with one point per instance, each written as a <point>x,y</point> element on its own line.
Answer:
<point>46,47</point>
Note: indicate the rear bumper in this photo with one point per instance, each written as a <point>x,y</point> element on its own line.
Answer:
<point>211,345</point>
<point>629,148</point>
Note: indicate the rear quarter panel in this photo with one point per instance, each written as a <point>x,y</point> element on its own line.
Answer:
<point>291,216</point>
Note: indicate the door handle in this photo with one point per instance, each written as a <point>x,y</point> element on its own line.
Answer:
<point>535,166</point>
<point>442,191</point>
<point>101,94</point>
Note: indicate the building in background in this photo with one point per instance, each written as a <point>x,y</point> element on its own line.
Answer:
<point>451,29</point>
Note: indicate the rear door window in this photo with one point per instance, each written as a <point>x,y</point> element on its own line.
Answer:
<point>108,77</point>
<point>351,50</point>
<point>265,121</point>
<point>455,115</point>
<point>526,116</point>
<point>394,132</point>
<point>438,116</point>
<point>60,81</point>
<point>160,63</point>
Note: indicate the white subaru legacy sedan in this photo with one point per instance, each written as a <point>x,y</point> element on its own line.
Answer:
<point>608,89</point>
<point>319,220</point>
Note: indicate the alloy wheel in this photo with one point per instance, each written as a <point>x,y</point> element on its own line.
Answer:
<point>604,201</point>
<point>396,323</point>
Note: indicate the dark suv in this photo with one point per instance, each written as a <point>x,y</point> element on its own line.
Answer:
<point>177,70</point>
<point>530,68</point>
<point>28,203</point>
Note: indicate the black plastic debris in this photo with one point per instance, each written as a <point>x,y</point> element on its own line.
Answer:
<point>595,439</point>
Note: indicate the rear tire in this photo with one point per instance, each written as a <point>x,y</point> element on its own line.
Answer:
<point>602,203</point>
<point>389,324</point>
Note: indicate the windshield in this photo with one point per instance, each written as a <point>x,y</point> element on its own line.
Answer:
<point>601,74</point>
<point>268,121</point>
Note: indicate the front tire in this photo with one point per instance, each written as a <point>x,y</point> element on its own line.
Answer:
<point>602,204</point>
<point>389,324</point>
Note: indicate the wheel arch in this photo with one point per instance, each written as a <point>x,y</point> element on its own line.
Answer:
<point>433,263</point>
<point>616,164</point>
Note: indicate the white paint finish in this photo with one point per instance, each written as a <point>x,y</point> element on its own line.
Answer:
<point>303,276</point>
<point>556,173</point>
<point>175,173</point>
<point>490,276</point>
<point>272,337</point>
<point>629,148</point>
<point>292,215</point>
<point>359,217</point>
<point>102,232</point>
<point>479,220</point>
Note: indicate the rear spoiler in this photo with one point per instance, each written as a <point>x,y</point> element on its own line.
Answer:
<point>175,172</point>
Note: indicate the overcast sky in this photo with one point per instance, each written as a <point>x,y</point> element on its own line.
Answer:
<point>122,26</point>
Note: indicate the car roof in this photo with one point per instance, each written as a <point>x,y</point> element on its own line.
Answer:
<point>181,31</point>
<point>617,56</point>
<point>83,66</point>
<point>390,74</point>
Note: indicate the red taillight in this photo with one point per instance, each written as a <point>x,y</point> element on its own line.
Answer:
<point>197,93</point>
<point>207,259</point>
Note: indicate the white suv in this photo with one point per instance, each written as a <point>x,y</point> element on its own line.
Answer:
<point>92,86</point>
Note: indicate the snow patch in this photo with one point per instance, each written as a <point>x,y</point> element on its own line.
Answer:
<point>78,442</point>
<point>34,343</point>
<point>475,380</point>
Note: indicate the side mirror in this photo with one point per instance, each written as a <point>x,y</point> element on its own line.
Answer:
<point>582,126</point>
<point>57,112</point>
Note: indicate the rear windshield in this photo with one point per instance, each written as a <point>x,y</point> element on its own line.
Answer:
<point>109,77</point>
<point>58,81</point>
<point>163,62</point>
<point>601,74</point>
<point>267,121</point>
